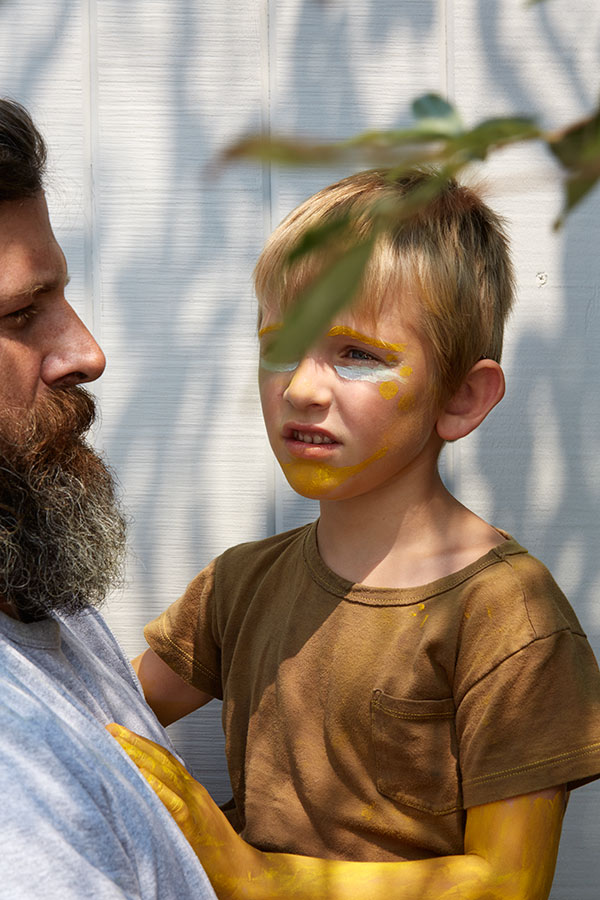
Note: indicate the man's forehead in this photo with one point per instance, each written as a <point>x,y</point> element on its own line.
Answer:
<point>30,257</point>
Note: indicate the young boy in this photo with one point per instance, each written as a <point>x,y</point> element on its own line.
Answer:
<point>407,694</point>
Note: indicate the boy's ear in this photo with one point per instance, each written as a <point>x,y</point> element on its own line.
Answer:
<point>478,394</point>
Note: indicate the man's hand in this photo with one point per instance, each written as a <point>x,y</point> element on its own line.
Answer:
<point>510,848</point>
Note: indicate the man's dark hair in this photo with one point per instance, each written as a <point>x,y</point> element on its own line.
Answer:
<point>22,153</point>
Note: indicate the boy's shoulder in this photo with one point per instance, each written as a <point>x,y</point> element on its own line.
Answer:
<point>253,556</point>
<point>520,577</point>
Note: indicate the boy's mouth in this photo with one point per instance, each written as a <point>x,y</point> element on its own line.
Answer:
<point>308,441</point>
<point>311,437</point>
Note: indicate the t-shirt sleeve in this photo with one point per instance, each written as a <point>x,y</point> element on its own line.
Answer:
<point>532,722</point>
<point>186,638</point>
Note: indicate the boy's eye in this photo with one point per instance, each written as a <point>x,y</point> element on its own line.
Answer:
<point>356,354</point>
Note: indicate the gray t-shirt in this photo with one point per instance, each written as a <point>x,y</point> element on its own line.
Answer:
<point>77,820</point>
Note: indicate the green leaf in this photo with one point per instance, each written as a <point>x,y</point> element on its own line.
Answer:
<point>578,151</point>
<point>579,144</point>
<point>436,114</point>
<point>319,304</point>
<point>282,151</point>
<point>495,133</point>
<point>314,238</point>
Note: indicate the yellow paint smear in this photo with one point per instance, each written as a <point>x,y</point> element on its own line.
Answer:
<point>388,389</point>
<point>367,812</point>
<point>407,402</point>
<point>269,329</point>
<point>365,339</point>
<point>405,371</point>
<point>314,479</point>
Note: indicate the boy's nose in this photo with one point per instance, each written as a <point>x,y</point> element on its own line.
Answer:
<point>308,385</point>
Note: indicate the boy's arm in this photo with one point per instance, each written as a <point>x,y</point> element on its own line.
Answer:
<point>510,848</point>
<point>168,695</point>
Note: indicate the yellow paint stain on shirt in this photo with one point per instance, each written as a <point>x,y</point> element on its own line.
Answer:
<point>489,612</point>
<point>388,389</point>
<point>314,479</point>
<point>424,619</point>
<point>367,812</point>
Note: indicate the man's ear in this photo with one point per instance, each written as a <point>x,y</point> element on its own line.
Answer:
<point>478,394</point>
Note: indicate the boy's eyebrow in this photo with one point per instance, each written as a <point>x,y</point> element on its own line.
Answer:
<point>364,339</point>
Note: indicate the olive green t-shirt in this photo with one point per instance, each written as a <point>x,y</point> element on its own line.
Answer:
<point>361,722</point>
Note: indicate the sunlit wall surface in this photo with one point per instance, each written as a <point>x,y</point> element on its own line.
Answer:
<point>137,99</point>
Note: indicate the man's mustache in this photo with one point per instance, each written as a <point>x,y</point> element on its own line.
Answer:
<point>59,421</point>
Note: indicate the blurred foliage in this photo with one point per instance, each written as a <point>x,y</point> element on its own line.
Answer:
<point>437,139</point>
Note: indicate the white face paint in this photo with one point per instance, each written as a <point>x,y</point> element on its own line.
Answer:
<point>374,375</point>
<point>277,367</point>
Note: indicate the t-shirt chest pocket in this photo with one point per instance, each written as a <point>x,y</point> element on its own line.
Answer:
<point>416,752</point>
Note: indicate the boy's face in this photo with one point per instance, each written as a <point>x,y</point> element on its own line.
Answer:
<point>355,413</point>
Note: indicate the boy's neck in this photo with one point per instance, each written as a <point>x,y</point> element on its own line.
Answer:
<point>408,538</point>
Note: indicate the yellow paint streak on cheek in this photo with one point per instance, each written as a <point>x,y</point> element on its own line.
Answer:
<point>406,402</point>
<point>388,389</point>
<point>314,479</point>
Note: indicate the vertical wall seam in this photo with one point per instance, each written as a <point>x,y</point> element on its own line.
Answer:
<point>449,463</point>
<point>267,93</point>
<point>446,8</point>
<point>92,284</point>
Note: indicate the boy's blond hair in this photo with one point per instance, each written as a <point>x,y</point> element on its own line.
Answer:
<point>452,256</point>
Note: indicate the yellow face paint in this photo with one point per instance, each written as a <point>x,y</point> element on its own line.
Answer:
<point>388,389</point>
<point>269,328</point>
<point>365,339</point>
<point>405,403</point>
<point>314,479</point>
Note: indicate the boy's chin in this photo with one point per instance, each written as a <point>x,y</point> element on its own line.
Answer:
<point>321,481</point>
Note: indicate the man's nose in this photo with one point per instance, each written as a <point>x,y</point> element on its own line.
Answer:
<point>72,355</point>
<point>309,384</point>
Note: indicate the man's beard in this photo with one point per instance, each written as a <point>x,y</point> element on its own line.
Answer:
<point>62,535</point>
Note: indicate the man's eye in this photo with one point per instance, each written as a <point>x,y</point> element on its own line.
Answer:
<point>21,316</point>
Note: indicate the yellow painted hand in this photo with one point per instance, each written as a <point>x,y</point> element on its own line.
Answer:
<point>221,851</point>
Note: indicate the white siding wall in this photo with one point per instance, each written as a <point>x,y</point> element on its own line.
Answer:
<point>136,98</point>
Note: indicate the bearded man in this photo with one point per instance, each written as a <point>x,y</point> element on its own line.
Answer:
<point>76,818</point>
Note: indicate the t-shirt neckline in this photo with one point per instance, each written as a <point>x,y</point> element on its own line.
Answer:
<point>42,635</point>
<point>355,592</point>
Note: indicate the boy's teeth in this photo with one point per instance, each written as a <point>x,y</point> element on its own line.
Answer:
<point>310,438</point>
